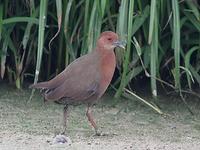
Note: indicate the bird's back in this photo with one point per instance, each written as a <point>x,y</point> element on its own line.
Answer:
<point>78,82</point>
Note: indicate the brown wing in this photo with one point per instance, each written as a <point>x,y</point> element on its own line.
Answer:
<point>78,82</point>
<point>71,69</point>
<point>73,91</point>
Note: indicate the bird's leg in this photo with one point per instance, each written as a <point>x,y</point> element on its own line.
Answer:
<point>65,111</point>
<point>91,120</point>
<point>62,138</point>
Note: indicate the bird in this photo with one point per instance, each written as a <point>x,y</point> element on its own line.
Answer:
<point>86,79</point>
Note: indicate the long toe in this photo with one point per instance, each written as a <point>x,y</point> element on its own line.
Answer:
<point>63,133</point>
<point>98,133</point>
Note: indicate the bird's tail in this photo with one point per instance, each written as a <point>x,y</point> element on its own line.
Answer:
<point>41,85</point>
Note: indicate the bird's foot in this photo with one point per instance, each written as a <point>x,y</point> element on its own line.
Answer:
<point>99,133</point>
<point>63,133</point>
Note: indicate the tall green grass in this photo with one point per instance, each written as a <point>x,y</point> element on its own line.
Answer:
<point>38,39</point>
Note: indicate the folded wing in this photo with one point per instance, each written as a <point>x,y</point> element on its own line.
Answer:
<point>79,81</point>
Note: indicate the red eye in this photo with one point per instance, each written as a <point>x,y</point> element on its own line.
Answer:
<point>109,39</point>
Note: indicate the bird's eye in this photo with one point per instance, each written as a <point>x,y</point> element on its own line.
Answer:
<point>109,39</point>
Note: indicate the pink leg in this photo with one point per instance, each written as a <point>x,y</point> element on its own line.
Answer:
<point>65,111</point>
<point>91,120</point>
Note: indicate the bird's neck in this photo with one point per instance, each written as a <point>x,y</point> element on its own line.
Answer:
<point>107,67</point>
<point>103,51</point>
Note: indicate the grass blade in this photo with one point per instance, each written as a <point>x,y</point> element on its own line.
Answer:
<point>4,54</point>
<point>28,30</point>
<point>122,29</point>
<point>20,19</point>
<point>154,56</point>
<point>1,19</point>
<point>59,17</point>
<point>152,21</point>
<point>176,41</point>
<point>187,63</point>
<point>42,23</point>
<point>127,55</point>
<point>140,19</point>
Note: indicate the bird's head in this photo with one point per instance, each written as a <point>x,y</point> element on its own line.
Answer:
<point>110,40</point>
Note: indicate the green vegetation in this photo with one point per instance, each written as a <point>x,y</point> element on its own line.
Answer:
<point>163,39</point>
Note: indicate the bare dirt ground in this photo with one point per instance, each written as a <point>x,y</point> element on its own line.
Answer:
<point>130,125</point>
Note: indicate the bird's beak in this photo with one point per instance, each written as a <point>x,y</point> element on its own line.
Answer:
<point>121,44</point>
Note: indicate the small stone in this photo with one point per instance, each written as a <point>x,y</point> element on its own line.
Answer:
<point>89,143</point>
<point>62,139</point>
